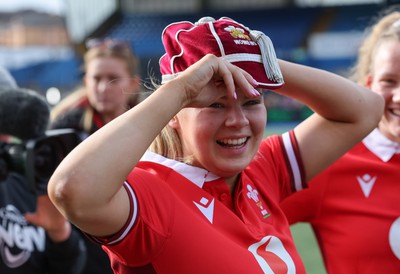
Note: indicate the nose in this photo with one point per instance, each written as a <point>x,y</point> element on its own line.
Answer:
<point>396,95</point>
<point>236,117</point>
<point>102,86</point>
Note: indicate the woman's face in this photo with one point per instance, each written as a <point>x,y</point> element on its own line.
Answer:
<point>109,85</point>
<point>224,137</point>
<point>385,80</point>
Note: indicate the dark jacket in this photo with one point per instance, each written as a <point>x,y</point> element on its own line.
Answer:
<point>25,248</point>
<point>86,121</point>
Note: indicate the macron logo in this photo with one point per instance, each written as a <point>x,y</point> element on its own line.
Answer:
<point>366,182</point>
<point>207,208</point>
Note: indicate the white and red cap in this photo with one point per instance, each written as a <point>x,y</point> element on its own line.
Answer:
<point>185,43</point>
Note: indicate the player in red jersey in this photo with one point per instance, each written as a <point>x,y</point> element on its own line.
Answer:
<point>354,206</point>
<point>184,183</point>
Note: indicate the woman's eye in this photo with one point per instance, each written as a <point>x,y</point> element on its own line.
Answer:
<point>114,81</point>
<point>252,102</point>
<point>216,105</point>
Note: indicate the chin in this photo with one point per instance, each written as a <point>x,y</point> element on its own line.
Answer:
<point>231,170</point>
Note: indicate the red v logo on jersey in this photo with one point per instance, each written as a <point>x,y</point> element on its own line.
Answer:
<point>366,182</point>
<point>207,208</point>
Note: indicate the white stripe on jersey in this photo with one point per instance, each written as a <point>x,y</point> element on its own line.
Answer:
<point>292,160</point>
<point>134,215</point>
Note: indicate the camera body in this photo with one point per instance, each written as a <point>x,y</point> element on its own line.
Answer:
<point>36,159</point>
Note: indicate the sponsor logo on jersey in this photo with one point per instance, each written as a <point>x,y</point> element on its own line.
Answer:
<point>394,238</point>
<point>366,183</point>
<point>272,256</point>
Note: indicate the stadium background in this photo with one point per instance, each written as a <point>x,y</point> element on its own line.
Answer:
<point>320,33</point>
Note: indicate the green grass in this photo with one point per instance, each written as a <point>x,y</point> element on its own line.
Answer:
<point>308,248</point>
<point>302,232</point>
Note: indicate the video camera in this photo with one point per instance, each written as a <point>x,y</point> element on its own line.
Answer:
<point>37,159</point>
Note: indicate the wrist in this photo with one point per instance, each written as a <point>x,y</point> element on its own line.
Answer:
<point>177,92</point>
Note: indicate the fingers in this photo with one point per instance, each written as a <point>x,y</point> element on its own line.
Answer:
<point>32,218</point>
<point>245,82</point>
<point>212,71</point>
<point>46,215</point>
<point>236,78</point>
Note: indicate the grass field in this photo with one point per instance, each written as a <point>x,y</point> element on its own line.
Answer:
<point>308,248</point>
<point>302,233</point>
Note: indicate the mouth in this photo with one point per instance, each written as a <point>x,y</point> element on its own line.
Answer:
<point>233,143</point>
<point>395,112</point>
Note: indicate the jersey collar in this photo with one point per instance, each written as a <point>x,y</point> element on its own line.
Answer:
<point>381,146</point>
<point>196,175</point>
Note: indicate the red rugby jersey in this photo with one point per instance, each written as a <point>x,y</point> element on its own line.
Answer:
<point>354,209</point>
<point>185,220</point>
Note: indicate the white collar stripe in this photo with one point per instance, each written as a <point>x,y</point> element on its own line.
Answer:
<point>194,174</point>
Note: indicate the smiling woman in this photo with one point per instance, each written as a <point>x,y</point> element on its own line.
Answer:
<point>216,191</point>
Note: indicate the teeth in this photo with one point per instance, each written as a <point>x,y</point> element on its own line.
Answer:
<point>234,142</point>
<point>396,112</point>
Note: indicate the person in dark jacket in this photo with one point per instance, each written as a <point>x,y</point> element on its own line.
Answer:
<point>34,237</point>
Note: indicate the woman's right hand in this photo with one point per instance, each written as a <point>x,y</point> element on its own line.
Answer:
<point>211,73</point>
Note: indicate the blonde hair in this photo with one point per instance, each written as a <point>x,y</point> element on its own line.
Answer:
<point>386,28</point>
<point>124,53</point>
<point>167,143</point>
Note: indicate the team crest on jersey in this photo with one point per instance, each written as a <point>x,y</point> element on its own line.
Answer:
<point>253,195</point>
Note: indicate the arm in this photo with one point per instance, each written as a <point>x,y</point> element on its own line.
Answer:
<point>344,113</point>
<point>87,185</point>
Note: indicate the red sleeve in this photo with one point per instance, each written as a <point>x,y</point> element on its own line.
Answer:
<point>149,223</point>
<point>306,205</point>
<point>279,160</point>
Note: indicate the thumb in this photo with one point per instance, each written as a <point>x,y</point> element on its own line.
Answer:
<point>31,218</point>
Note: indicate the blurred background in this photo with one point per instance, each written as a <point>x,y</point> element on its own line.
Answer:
<point>42,42</point>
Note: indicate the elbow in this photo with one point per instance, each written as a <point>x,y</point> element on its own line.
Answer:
<point>372,112</point>
<point>61,192</point>
<point>378,107</point>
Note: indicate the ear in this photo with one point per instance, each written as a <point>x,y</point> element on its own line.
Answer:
<point>368,81</point>
<point>174,122</point>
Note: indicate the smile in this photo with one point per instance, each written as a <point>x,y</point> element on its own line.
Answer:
<point>233,142</point>
<point>395,112</point>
